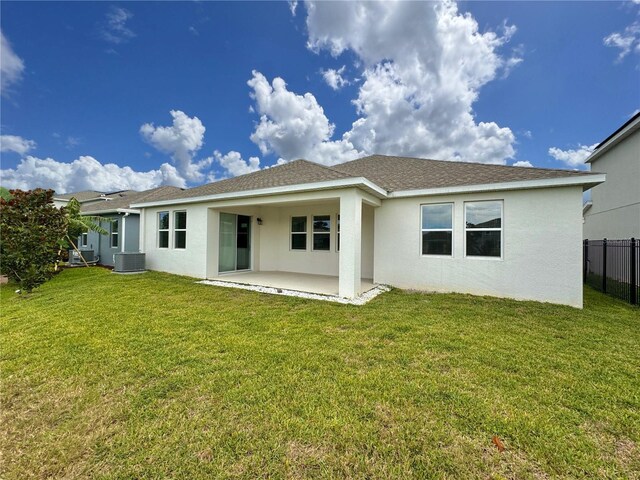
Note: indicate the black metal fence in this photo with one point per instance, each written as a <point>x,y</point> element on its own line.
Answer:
<point>613,267</point>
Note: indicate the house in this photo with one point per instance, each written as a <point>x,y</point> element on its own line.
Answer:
<point>406,222</point>
<point>124,224</point>
<point>614,209</point>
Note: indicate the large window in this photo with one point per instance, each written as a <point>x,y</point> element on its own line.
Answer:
<point>298,233</point>
<point>163,229</point>
<point>437,229</point>
<point>483,228</point>
<point>179,229</point>
<point>321,232</point>
<point>115,233</point>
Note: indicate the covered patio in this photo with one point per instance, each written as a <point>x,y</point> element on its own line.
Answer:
<point>318,242</point>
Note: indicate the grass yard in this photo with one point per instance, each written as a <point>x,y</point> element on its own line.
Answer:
<point>153,376</point>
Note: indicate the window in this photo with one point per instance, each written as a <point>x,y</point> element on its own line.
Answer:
<point>321,232</point>
<point>163,229</point>
<point>84,239</point>
<point>115,233</point>
<point>298,233</point>
<point>483,228</point>
<point>179,229</point>
<point>437,229</point>
<point>338,234</point>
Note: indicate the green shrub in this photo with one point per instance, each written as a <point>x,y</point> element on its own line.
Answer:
<point>31,229</point>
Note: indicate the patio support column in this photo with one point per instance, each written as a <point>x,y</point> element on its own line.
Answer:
<point>350,243</point>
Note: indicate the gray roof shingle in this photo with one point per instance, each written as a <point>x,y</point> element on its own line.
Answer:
<point>388,172</point>
<point>292,173</point>
<point>404,173</point>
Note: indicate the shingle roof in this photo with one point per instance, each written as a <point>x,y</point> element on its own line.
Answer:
<point>125,198</point>
<point>389,173</point>
<point>292,173</point>
<point>404,173</point>
<point>80,196</point>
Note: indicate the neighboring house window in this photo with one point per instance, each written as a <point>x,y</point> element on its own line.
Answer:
<point>338,233</point>
<point>84,239</point>
<point>180,230</point>
<point>483,228</point>
<point>437,229</point>
<point>298,233</point>
<point>115,226</point>
<point>321,232</point>
<point>163,229</point>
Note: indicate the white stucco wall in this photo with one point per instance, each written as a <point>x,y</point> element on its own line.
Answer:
<point>615,213</point>
<point>542,253</point>
<point>191,261</point>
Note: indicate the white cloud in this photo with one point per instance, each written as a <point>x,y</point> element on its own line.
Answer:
<point>115,29</point>
<point>523,163</point>
<point>235,165</point>
<point>573,157</point>
<point>334,77</point>
<point>181,141</point>
<point>626,41</point>
<point>85,173</point>
<point>293,4</point>
<point>295,126</point>
<point>14,143</point>
<point>11,66</point>
<point>423,66</point>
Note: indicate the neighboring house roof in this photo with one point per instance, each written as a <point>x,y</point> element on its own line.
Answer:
<point>379,173</point>
<point>630,126</point>
<point>80,196</point>
<point>124,199</point>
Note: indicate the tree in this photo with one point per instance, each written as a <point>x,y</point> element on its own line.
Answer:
<point>78,224</point>
<point>31,229</point>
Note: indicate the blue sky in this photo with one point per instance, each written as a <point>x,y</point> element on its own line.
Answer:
<point>86,85</point>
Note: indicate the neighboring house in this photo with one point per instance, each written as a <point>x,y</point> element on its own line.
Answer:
<point>410,223</point>
<point>124,227</point>
<point>614,209</point>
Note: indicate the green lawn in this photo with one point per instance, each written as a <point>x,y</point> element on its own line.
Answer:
<point>153,376</point>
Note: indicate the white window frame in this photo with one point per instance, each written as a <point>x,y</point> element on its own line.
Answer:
<point>84,239</point>
<point>337,232</point>
<point>501,230</point>
<point>422,230</point>
<point>168,229</point>
<point>292,233</point>
<point>314,233</point>
<point>114,234</point>
<point>175,229</point>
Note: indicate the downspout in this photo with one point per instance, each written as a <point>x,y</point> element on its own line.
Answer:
<point>124,217</point>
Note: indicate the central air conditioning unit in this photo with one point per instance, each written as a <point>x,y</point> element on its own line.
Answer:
<point>74,257</point>
<point>128,262</point>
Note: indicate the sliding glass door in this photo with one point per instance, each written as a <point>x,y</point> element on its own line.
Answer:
<point>235,242</point>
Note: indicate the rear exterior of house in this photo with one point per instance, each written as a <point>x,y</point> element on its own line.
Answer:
<point>410,223</point>
<point>614,210</point>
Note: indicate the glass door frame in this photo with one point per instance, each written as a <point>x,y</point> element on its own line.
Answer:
<point>236,236</point>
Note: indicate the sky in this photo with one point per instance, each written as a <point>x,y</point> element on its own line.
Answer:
<point>134,95</point>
